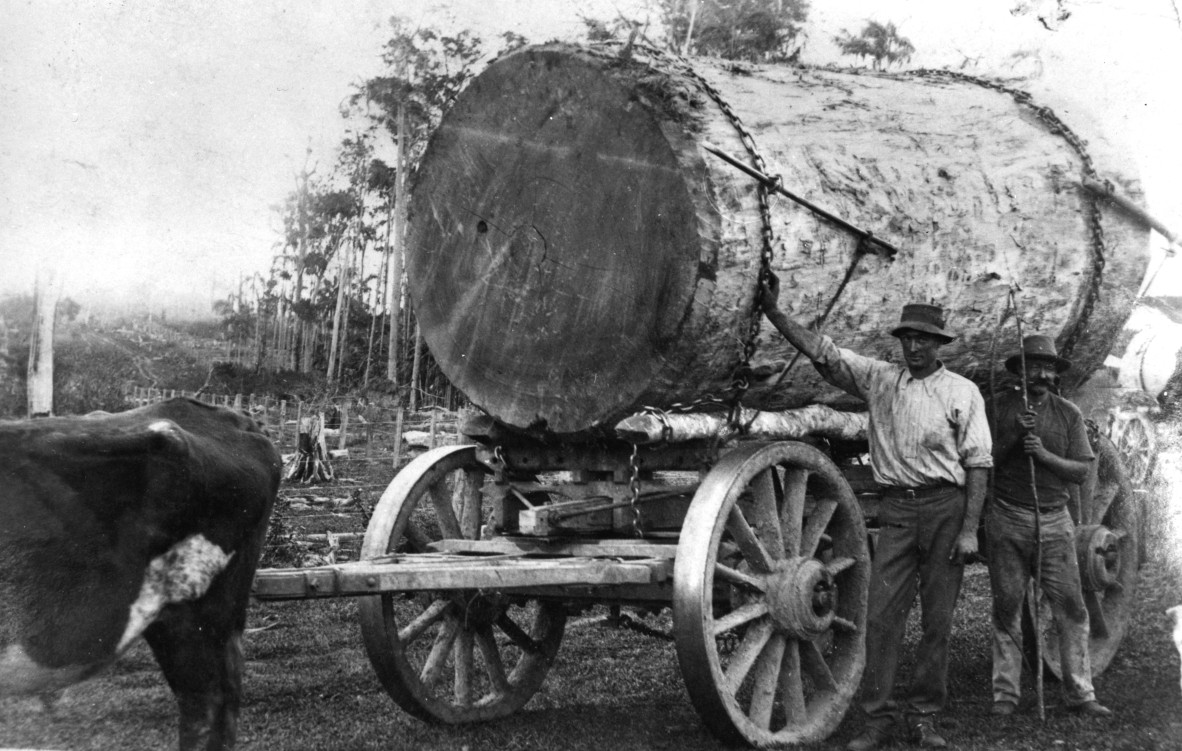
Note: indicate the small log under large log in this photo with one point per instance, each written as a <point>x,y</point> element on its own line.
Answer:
<point>815,420</point>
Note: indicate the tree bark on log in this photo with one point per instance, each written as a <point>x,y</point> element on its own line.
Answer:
<point>814,420</point>
<point>575,254</point>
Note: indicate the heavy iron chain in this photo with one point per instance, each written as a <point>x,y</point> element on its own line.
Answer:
<point>634,490</point>
<point>1056,126</point>
<point>739,383</point>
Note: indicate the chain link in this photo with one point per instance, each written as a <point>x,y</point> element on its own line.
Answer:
<point>675,62</point>
<point>1056,126</point>
<point>634,490</point>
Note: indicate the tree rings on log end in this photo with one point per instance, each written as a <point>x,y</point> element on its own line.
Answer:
<point>554,247</point>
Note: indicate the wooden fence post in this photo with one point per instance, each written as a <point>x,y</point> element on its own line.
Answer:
<point>344,424</point>
<point>434,418</point>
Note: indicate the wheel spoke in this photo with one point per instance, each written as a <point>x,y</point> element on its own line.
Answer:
<point>837,565</point>
<point>792,685</point>
<point>433,667</point>
<point>471,503</point>
<point>431,614</point>
<point>739,578</point>
<point>417,540</point>
<point>441,501</point>
<point>744,656</point>
<point>814,664</point>
<point>750,545</point>
<point>463,653</point>
<point>523,640</point>
<point>814,530</point>
<point>764,682</point>
<point>764,513</point>
<point>844,624</point>
<point>1096,617</point>
<point>494,666</point>
<point>739,616</point>
<point>795,487</point>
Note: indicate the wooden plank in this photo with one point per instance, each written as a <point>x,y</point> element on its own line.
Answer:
<point>607,547</point>
<point>434,572</point>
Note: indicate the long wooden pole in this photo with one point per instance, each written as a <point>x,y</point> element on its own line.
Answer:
<point>1035,606</point>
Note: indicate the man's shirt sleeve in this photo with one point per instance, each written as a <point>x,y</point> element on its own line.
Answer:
<point>1079,448</point>
<point>975,444</point>
<point>846,369</point>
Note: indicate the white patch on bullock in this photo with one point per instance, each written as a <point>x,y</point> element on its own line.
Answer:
<point>160,426</point>
<point>183,573</point>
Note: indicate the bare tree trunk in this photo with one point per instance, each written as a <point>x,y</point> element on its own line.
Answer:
<point>299,363</point>
<point>40,372</point>
<point>342,283</point>
<point>414,372</point>
<point>394,280</point>
<point>375,307</point>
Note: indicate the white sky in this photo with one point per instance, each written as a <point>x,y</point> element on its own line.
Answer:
<point>141,145</point>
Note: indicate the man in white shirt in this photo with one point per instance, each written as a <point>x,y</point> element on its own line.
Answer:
<point>930,450</point>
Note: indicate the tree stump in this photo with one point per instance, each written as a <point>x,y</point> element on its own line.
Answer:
<point>310,463</point>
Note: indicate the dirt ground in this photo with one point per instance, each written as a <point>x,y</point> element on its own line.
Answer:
<point>309,685</point>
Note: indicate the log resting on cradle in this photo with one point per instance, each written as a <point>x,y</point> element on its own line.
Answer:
<point>576,254</point>
<point>815,420</point>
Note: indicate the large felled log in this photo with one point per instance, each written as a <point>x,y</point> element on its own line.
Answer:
<point>576,254</point>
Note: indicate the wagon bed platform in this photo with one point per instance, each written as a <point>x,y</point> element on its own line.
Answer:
<point>435,571</point>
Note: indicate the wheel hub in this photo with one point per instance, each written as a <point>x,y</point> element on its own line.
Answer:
<point>802,598</point>
<point>1098,551</point>
<point>478,610</point>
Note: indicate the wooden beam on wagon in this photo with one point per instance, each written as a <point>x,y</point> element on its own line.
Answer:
<point>436,572</point>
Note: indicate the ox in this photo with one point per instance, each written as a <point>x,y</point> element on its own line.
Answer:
<point>144,522</point>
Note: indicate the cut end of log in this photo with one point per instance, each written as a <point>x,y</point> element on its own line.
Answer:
<point>554,243</point>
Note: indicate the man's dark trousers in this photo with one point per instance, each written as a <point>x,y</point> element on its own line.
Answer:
<point>917,531</point>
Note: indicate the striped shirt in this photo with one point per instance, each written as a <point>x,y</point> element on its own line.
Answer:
<point>923,431</point>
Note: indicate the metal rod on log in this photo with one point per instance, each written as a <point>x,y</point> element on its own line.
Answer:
<point>773,183</point>
<point>813,420</point>
<point>1105,191</point>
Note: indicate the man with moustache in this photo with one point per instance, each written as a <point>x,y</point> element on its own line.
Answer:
<point>1051,431</point>
<point>930,452</point>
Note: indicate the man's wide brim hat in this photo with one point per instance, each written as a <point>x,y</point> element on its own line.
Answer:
<point>927,319</point>
<point>1037,347</point>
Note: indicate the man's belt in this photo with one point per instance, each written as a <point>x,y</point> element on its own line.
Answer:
<point>920,493</point>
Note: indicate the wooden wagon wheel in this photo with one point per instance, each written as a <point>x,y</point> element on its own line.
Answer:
<point>460,655</point>
<point>1133,434</point>
<point>1108,554</point>
<point>769,596</point>
<point>1108,546</point>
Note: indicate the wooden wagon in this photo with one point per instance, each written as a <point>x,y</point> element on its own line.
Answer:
<point>582,264</point>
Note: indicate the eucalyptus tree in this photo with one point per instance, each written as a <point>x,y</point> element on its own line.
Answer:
<point>882,43</point>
